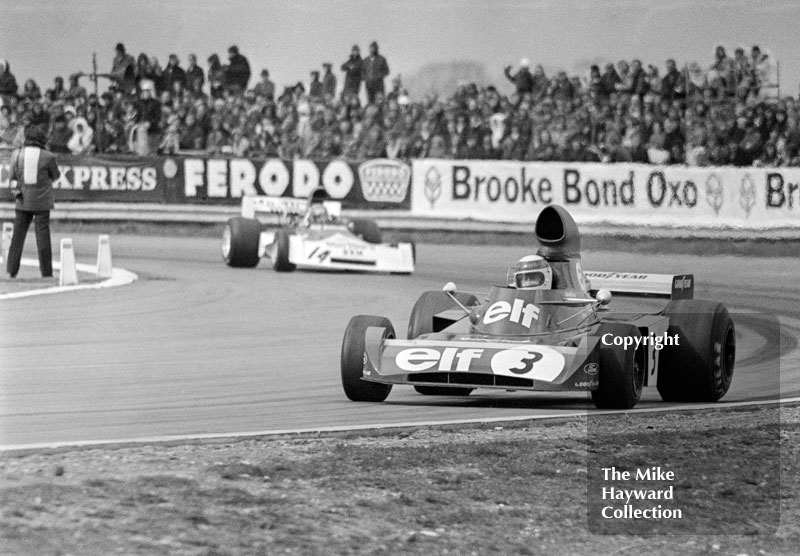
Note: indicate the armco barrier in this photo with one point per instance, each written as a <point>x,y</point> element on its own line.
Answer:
<point>372,184</point>
<point>619,194</point>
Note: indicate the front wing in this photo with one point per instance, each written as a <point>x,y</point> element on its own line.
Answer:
<point>473,363</point>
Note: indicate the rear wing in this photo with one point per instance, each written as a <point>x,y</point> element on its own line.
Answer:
<point>263,205</point>
<point>673,286</point>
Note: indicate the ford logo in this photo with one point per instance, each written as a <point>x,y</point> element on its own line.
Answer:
<point>591,368</point>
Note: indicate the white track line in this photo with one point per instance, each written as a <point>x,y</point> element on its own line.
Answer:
<point>119,277</point>
<point>356,428</point>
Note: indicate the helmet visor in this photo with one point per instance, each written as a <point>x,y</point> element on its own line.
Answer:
<point>530,279</point>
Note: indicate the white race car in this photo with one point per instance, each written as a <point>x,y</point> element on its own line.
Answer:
<point>310,235</point>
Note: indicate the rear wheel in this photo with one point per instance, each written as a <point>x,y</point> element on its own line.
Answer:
<point>368,230</point>
<point>621,370</point>
<point>240,242</point>
<point>354,355</point>
<point>421,322</point>
<point>280,255</point>
<point>700,367</point>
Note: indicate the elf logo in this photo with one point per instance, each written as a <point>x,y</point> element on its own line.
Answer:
<point>448,359</point>
<point>518,312</point>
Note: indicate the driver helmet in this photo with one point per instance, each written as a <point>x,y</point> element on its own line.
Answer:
<point>317,213</point>
<point>530,273</point>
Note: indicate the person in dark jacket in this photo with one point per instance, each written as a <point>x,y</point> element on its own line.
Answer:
<point>8,83</point>
<point>523,79</point>
<point>59,136</point>
<point>148,113</point>
<point>238,73</point>
<point>353,70</point>
<point>123,69</point>
<point>194,76</point>
<point>328,80</point>
<point>376,68</point>
<point>34,169</point>
<point>173,73</point>
<point>315,87</point>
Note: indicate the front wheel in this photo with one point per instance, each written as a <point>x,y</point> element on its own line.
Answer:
<point>622,370</point>
<point>240,242</point>
<point>353,356</point>
<point>280,253</point>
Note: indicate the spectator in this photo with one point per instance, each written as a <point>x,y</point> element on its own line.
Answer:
<point>195,79</point>
<point>353,70</point>
<point>328,81</point>
<point>759,61</point>
<point>123,69</point>
<point>148,115</point>
<point>315,90</point>
<point>216,77</point>
<point>173,74</point>
<point>156,75</point>
<point>523,79</point>
<point>238,73</point>
<point>8,83</point>
<point>375,70</point>
<point>31,91</point>
<point>58,92</point>
<point>609,80</point>
<point>265,87</point>
<point>59,136</point>
<point>76,91</point>
<point>673,85</point>
<point>82,138</point>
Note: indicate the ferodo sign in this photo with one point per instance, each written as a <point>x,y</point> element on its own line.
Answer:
<point>636,194</point>
<point>373,184</point>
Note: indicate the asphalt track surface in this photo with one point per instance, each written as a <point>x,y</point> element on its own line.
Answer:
<point>194,347</point>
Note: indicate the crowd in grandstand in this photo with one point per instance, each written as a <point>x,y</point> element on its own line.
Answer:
<point>719,115</point>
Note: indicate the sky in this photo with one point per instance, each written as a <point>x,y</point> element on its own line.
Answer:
<point>45,38</point>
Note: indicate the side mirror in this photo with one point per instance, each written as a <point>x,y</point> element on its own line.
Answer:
<point>603,297</point>
<point>450,287</point>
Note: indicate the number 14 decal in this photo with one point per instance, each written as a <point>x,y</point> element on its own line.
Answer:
<point>321,255</point>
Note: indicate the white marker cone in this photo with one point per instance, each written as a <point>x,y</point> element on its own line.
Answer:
<point>103,257</point>
<point>8,230</point>
<point>69,274</point>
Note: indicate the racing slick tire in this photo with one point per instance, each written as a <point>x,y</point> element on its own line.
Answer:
<point>421,322</point>
<point>622,371</point>
<point>700,367</point>
<point>368,230</point>
<point>240,242</point>
<point>352,360</point>
<point>280,258</point>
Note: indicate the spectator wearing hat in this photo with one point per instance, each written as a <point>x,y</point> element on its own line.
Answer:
<point>328,81</point>
<point>523,79</point>
<point>34,169</point>
<point>353,70</point>
<point>195,78</point>
<point>265,87</point>
<point>123,69</point>
<point>376,68</point>
<point>238,73</point>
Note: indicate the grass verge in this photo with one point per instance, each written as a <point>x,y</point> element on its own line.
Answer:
<point>517,489</point>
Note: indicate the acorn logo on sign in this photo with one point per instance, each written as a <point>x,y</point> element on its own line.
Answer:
<point>747,194</point>
<point>384,180</point>
<point>433,185</point>
<point>714,193</point>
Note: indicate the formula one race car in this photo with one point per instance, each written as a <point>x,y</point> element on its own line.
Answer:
<point>311,235</point>
<point>544,331</point>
